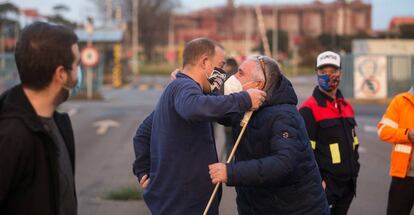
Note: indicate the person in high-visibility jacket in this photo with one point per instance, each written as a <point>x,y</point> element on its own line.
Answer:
<point>397,128</point>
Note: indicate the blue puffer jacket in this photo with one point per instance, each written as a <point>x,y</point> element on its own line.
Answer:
<point>275,171</point>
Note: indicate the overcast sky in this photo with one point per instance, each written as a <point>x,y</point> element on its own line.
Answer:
<point>383,10</point>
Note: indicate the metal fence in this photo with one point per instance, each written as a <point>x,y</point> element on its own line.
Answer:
<point>10,77</point>
<point>8,71</point>
<point>376,76</point>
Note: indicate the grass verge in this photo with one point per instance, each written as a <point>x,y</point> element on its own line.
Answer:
<point>127,193</point>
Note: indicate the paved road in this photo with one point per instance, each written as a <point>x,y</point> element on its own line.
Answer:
<point>104,160</point>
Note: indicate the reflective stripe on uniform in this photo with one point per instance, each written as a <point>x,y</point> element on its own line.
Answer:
<point>335,154</point>
<point>386,122</point>
<point>356,142</point>
<point>402,148</point>
<point>313,143</point>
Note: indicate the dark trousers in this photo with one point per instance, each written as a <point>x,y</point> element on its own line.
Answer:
<point>400,196</point>
<point>340,196</point>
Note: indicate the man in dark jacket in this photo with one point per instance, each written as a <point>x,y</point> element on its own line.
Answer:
<point>231,67</point>
<point>330,122</point>
<point>274,170</point>
<point>37,149</point>
<point>175,144</point>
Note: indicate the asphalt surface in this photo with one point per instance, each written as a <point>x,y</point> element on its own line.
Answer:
<point>104,152</point>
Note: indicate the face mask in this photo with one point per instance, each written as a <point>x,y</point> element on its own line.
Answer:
<point>216,79</point>
<point>73,88</point>
<point>232,85</point>
<point>328,82</point>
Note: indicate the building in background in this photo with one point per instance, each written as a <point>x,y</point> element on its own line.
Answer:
<point>397,22</point>
<point>232,25</point>
<point>28,16</point>
<point>402,27</point>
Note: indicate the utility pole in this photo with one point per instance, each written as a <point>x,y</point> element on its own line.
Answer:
<point>108,19</point>
<point>263,31</point>
<point>2,48</point>
<point>248,32</point>
<point>89,28</point>
<point>135,37</point>
<point>275,31</point>
<point>171,37</point>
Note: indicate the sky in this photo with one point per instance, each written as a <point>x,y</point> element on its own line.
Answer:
<point>382,11</point>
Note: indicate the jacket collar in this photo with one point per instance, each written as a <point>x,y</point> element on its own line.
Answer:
<point>183,75</point>
<point>281,94</point>
<point>15,104</point>
<point>321,98</point>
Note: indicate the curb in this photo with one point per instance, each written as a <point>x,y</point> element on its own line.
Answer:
<point>386,101</point>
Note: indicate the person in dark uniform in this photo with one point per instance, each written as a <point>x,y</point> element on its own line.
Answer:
<point>330,122</point>
<point>230,68</point>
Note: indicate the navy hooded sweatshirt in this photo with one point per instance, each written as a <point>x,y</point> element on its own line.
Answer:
<point>275,171</point>
<point>175,145</point>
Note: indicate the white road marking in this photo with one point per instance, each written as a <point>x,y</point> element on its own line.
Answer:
<point>104,125</point>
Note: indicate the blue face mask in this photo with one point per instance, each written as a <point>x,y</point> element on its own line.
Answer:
<point>76,89</point>
<point>323,82</point>
<point>73,90</point>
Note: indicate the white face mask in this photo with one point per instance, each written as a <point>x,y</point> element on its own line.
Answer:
<point>232,85</point>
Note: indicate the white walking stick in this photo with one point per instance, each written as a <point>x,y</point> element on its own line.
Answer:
<point>243,123</point>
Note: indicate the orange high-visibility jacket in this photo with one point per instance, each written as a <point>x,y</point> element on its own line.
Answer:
<point>393,128</point>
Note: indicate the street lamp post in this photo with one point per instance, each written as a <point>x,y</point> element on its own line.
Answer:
<point>89,73</point>
<point>135,37</point>
<point>275,31</point>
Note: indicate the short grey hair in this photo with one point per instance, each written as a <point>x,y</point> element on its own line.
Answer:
<point>272,72</point>
<point>258,74</point>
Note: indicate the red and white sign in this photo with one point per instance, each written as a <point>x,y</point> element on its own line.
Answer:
<point>90,56</point>
<point>370,77</point>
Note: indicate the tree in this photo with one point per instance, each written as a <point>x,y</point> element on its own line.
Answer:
<point>309,48</point>
<point>407,31</point>
<point>8,27</point>
<point>61,8</point>
<point>340,42</point>
<point>282,41</point>
<point>58,17</point>
<point>153,19</point>
<point>6,8</point>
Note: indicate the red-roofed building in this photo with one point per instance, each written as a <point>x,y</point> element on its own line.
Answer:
<point>237,27</point>
<point>397,22</point>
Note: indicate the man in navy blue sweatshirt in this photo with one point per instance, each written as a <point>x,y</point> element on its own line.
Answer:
<point>175,144</point>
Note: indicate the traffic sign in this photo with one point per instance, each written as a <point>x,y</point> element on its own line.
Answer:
<point>90,56</point>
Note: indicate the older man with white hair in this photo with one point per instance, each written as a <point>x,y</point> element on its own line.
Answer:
<point>274,170</point>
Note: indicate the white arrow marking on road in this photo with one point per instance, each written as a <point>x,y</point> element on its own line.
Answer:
<point>370,128</point>
<point>104,125</point>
